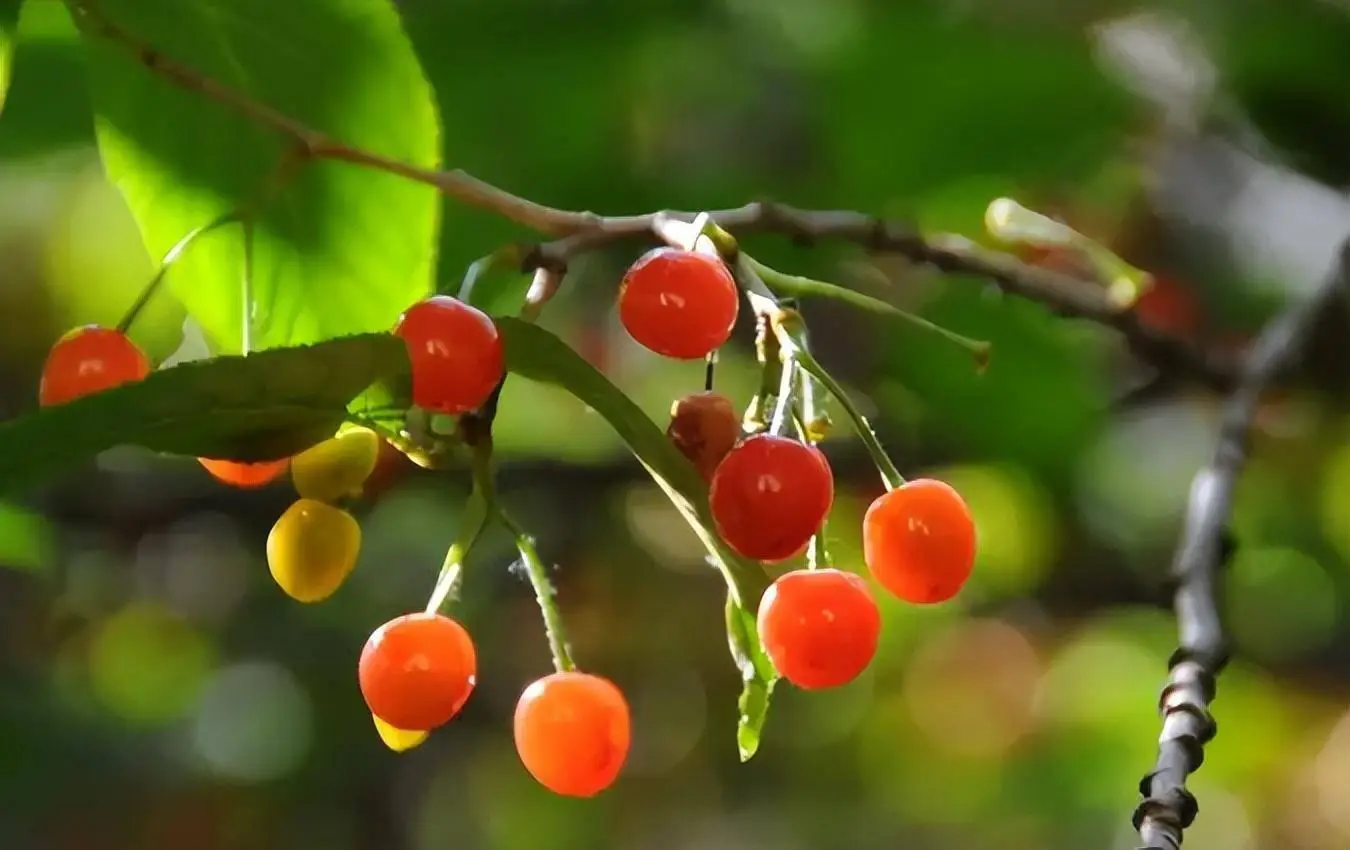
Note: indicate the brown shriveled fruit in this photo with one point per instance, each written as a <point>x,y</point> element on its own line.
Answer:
<point>704,427</point>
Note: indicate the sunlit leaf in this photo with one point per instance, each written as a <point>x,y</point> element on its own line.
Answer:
<point>339,249</point>
<point>9,27</point>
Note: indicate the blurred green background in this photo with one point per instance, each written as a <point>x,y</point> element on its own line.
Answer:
<point>158,692</point>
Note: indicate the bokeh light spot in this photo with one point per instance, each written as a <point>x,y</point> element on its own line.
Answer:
<point>255,722</point>
<point>671,709</point>
<point>1016,526</point>
<point>1280,602</point>
<point>972,688</point>
<point>146,665</point>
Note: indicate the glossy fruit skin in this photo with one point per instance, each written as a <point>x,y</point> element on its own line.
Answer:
<point>680,304</point>
<point>418,670</point>
<point>245,476</point>
<point>704,427</point>
<point>338,466</point>
<point>819,627</point>
<point>456,353</point>
<point>311,549</point>
<point>398,740</point>
<point>89,360</point>
<point>573,731</point>
<point>919,541</point>
<point>769,495</point>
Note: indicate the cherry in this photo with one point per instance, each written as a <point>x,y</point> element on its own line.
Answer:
<point>312,549</point>
<point>418,670</point>
<point>89,360</point>
<point>919,541</point>
<point>337,467</point>
<point>680,304</point>
<point>456,353</point>
<point>246,476</point>
<point>769,495</point>
<point>819,627</point>
<point>704,427</point>
<point>573,732</point>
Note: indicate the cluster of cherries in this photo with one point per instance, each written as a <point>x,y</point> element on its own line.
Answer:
<point>769,495</point>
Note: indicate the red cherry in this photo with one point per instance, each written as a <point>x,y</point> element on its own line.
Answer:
<point>680,304</point>
<point>89,360</point>
<point>456,353</point>
<point>819,627</point>
<point>704,427</point>
<point>769,495</point>
<point>573,732</point>
<point>246,476</point>
<point>418,670</point>
<point>919,541</point>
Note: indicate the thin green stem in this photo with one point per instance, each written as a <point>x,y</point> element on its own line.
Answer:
<point>818,553</point>
<point>173,255</point>
<point>471,523</point>
<point>544,593</point>
<point>889,474</point>
<point>804,287</point>
<point>783,401</point>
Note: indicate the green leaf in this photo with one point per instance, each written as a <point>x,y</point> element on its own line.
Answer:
<point>267,405</point>
<point>9,30</point>
<point>340,249</point>
<point>758,677</point>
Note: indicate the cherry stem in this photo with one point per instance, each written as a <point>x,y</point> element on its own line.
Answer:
<point>817,552</point>
<point>889,474</point>
<point>174,254</point>
<point>710,371</point>
<point>471,523</point>
<point>783,403</point>
<point>544,593</point>
<point>485,486</point>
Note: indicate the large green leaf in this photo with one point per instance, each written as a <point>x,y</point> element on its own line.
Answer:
<point>9,30</point>
<point>536,354</point>
<point>267,405</point>
<point>341,249</point>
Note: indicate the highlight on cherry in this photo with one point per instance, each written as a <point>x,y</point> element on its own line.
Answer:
<point>754,482</point>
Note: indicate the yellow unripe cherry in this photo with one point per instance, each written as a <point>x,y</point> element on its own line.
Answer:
<point>338,466</point>
<point>312,549</point>
<point>398,740</point>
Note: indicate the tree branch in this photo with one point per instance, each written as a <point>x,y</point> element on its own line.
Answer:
<point>578,231</point>
<point>1206,545</point>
